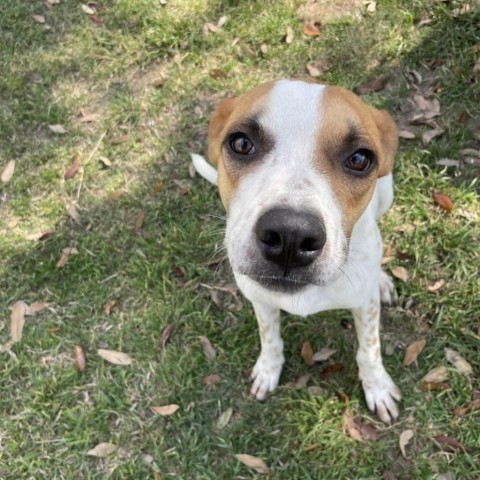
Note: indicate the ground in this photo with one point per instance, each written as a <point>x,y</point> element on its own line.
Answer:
<point>131,85</point>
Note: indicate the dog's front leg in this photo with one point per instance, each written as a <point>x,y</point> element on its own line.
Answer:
<point>266,371</point>
<point>381,393</point>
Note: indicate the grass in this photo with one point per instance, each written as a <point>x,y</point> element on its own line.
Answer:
<point>52,414</point>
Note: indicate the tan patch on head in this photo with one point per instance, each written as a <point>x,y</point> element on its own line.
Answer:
<point>343,112</point>
<point>226,114</point>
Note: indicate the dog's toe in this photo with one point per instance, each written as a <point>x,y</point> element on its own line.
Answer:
<point>382,396</point>
<point>265,377</point>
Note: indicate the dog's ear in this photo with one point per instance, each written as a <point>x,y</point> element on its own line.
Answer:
<point>389,138</point>
<point>219,118</point>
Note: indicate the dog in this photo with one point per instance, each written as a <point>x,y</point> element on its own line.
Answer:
<point>304,171</point>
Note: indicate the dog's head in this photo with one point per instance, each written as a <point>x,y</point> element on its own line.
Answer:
<point>297,165</point>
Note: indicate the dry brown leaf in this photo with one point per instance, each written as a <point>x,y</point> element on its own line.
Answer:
<point>17,320</point>
<point>435,287</point>
<point>253,462</point>
<point>289,36</point>
<point>374,85</point>
<point>87,9</point>
<point>105,161</point>
<point>429,135</point>
<point>421,102</point>
<point>313,71</point>
<point>387,259</point>
<point>472,406</point>
<point>102,450</point>
<point>39,18</point>
<point>463,117</point>
<point>404,439</point>
<point>413,351</point>
<point>222,21</point>
<point>388,475</point>
<point>66,252</point>
<point>165,410</point>
<point>80,359</point>
<point>57,128</point>
<point>449,444</point>
<point>302,381</point>
<point>207,348</point>
<point>166,335</point>
<point>371,6</point>
<point>114,357</point>
<point>264,48</point>
<point>323,354</point>
<point>73,213</point>
<point>311,30</point>
<point>97,21</point>
<point>90,117</point>
<point>210,380</point>
<point>8,171</point>
<point>111,306</point>
<point>35,307</point>
<point>437,375</point>
<point>359,429</point>
<point>139,218</point>
<point>115,195</point>
<point>73,168</point>
<point>443,201</point>
<point>224,418</point>
<point>424,118</point>
<point>11,224</point>
<point>307,353</point>
<point>401,273</point>
<point>458,361</point>
<point>406,134</point>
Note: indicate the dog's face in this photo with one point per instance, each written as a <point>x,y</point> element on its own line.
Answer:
<point>297,165</point>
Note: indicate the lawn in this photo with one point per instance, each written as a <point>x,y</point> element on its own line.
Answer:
<point>100,105</point>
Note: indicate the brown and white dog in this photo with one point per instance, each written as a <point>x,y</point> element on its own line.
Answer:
<point>304,171</point>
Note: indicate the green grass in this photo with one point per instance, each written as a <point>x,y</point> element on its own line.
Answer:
<point>52,414</point>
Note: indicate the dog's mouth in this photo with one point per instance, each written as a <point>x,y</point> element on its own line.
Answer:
<point>280,284</point>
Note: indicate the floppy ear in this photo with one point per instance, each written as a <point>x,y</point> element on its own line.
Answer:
<point>389,138</point>
<point>217,122</point>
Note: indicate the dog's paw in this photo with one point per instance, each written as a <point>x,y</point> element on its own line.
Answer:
<point>382,396</point>
<point>265,375</point>
<point>388,294</point>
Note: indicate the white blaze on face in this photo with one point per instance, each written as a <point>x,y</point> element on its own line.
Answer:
<point>290,175</point>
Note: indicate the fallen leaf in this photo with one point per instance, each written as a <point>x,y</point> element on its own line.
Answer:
<point>388,475</point>
<point>97,21</point>
<point>302,381</point>
<point>39,18</point>
<point>462,118</point>
<point>264,48</point>
<point>210,380</point>
<point>401,273</point>
<point>66,252</point>
<point>470,152</point>
<point>224,418</point>
<point>183,187</point>
<point>115,195</point>
<point>388,259</point>
<point>333,368</point>
<point>424,118</point>
<point>437,375</point>
<point>413,351</point>
<point>472,406</point>
<point>449,444</point>
<point>443,201</point>
<point>371,6</point>
<point>315,391</point>
<point>323,354</point>
<point>421,102</point>
<point>311,30</point>
<point>404,439</point>
<point>349,426</point>
<point>102,450</point>
<point>73,213</point>
<point>448,162</point>
<point>414,77</point>
<point>44,235</point>
<point>111,306</point>
<point>166,410</point>
<point>429,135</point>
<point>7,173</point>
<point>117,358</point>
<point>105,161</point>
<point>374,85</point>
<point>35,308</point>
<point>139,218</point>
<point>406,134</point>
<point>17,320</point>
<point>90,117</point>
<point>313,71</point>
<point>166,335</point>
<point>289,36</point>
<point>222,21</point>
<point>11,224</point>
<point>158,187</point>
<point>87,9</point>
<point>73,168</point>
<point>435,287</point>
<point>80,359</point>
<point>207,348</point>
<point>253,462</point>
<point>359,429</point>
<point>458,361</point>
<point>307,353</point>
<point>60,129</point>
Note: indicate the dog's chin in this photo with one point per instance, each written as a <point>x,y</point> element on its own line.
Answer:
<point>280,284</point>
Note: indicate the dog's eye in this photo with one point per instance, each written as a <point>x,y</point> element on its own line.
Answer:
<point>242,145</point>
<point>360,161</point>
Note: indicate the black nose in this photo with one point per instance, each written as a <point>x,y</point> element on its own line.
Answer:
<point>290,238</point>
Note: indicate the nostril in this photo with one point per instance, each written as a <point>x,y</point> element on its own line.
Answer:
<point>270,238</point>
<point>310,244</point>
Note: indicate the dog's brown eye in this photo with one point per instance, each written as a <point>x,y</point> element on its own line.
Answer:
<point>359,161</point>
<point>242,145</point>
